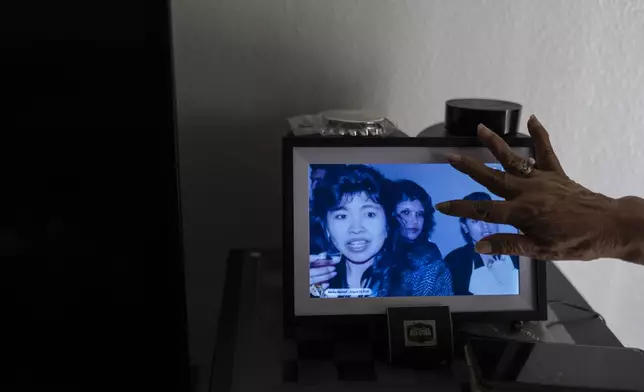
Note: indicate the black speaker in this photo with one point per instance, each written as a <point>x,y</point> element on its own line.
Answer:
<point>463,115</point>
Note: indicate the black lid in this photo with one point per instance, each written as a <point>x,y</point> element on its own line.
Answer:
<point>462,116</point>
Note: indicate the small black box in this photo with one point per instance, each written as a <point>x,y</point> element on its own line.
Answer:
<point>420,337</point>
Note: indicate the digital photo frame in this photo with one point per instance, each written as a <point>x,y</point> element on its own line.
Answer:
<point>352,225</point>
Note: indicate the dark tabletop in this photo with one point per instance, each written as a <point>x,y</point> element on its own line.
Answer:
<point>249,347</point>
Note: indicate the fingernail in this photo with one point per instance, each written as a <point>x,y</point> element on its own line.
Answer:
<point>483,247</point>
<point>442,207</point>
<point>483,129</point>
<point>534,119</point>
<point>332,269</point>
<point>453,158</point>
<point>334,273</point>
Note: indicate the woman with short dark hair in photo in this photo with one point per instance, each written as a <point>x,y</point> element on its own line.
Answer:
<point>478,274</point>
<point>349,209</point>
<point>350,205</point>
<point>413,222</point>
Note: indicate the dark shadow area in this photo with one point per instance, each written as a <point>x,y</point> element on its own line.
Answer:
<point>91,250</point>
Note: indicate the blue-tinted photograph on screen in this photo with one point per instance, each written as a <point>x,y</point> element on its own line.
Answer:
<point>374,232</point>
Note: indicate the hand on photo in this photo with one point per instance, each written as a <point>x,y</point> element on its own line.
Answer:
<point>560,219</point>
<point>322,268</point>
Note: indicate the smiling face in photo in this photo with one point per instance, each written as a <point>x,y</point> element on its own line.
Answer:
<point>357,228</point>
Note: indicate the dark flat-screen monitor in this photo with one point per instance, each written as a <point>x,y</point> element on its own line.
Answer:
<point>362,233</point>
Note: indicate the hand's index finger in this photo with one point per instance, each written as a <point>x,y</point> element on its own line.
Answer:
<point>324,262</point>
<point>498,182</point>
<point>486,210</point>
<point>321,271</point>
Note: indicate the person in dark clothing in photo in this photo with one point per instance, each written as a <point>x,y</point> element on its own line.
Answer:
<point>317,239</point>
<point>474,273</point>
<point>413,253</point>
<point>413,214</point>
<point>351,205</point>
<point>318,171</point>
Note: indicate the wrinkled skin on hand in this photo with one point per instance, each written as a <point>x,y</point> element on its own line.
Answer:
<point>558,218</point>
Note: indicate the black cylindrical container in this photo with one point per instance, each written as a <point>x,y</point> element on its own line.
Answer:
<point>462,116</point>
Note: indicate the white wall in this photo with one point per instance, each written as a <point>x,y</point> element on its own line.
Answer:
<point>243,66</point>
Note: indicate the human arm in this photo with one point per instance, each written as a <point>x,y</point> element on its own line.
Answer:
<point>629,217</point>
<point>559,219</point>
